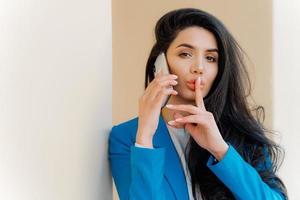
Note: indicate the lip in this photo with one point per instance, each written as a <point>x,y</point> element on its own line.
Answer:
<point>192,86</point>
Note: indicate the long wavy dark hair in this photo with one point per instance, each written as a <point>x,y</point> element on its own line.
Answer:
<point>239,124</point>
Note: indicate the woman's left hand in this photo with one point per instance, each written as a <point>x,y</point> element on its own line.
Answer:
<point>201,125</point>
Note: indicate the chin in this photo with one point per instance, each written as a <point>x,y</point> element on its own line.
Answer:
<point>190,95</point>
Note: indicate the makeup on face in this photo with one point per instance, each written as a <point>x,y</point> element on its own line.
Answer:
<point>192,49</point>
<point>192,84</point>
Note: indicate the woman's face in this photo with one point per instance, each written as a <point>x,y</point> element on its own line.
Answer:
<point>193,53</point>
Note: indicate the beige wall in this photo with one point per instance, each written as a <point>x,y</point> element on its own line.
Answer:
<point>133,36</point>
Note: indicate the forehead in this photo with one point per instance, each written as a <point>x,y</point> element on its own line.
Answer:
<point>198,37</point>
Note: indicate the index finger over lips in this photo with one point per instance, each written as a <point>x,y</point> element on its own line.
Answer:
<point>198,95</point>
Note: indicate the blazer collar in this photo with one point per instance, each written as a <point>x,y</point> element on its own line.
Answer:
<point>174,172</point>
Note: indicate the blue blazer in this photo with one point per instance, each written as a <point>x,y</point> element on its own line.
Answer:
<point>157,174</point>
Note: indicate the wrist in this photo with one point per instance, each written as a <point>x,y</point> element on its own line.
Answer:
<point>220,152</point>
<point>144,140</point>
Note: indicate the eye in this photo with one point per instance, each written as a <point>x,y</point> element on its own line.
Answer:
<point>184,55</point>
<point>211,59</point>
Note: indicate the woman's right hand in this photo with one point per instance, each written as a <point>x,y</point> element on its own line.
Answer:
<point>150,104</point>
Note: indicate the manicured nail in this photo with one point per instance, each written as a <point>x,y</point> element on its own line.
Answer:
<point>171,122</point>
<point>174,76</point>
<point>169,105</point>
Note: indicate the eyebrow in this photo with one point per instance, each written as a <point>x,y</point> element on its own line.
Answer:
<point>192,47</point>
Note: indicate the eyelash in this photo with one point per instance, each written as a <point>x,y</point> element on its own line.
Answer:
<point>208,57</point>
<point>213,59</point>
<point>181,55</point>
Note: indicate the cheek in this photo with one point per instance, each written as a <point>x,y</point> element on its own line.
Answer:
<point>178,70</point>
<point>177,66</point>
<point>212,73</point>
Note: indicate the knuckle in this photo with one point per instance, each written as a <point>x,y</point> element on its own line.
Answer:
<point>210,115</point>
<point>157,83</point>
<point>157,80</point>
<point>157,87</point>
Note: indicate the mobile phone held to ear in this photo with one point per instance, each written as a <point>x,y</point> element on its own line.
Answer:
<point>161,63</point>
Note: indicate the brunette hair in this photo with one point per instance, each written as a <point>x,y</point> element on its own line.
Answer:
<point>227,101</point>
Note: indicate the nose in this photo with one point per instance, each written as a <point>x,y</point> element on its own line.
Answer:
<point>198,66</point>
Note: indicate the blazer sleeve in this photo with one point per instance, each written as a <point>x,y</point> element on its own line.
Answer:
<point>137,172</point>
<point>241,178</point>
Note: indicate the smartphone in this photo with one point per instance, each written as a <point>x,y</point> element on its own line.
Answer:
<point>161,63</point>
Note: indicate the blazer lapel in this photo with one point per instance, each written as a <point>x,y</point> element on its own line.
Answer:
<point>174,173</point>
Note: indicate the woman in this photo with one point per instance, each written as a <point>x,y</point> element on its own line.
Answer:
<point>205,143</point>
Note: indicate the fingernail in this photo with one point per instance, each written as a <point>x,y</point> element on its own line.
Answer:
<point>169,105</point>
<point>174,76</point>
<point>171,122</point>
<point>178,120</point>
